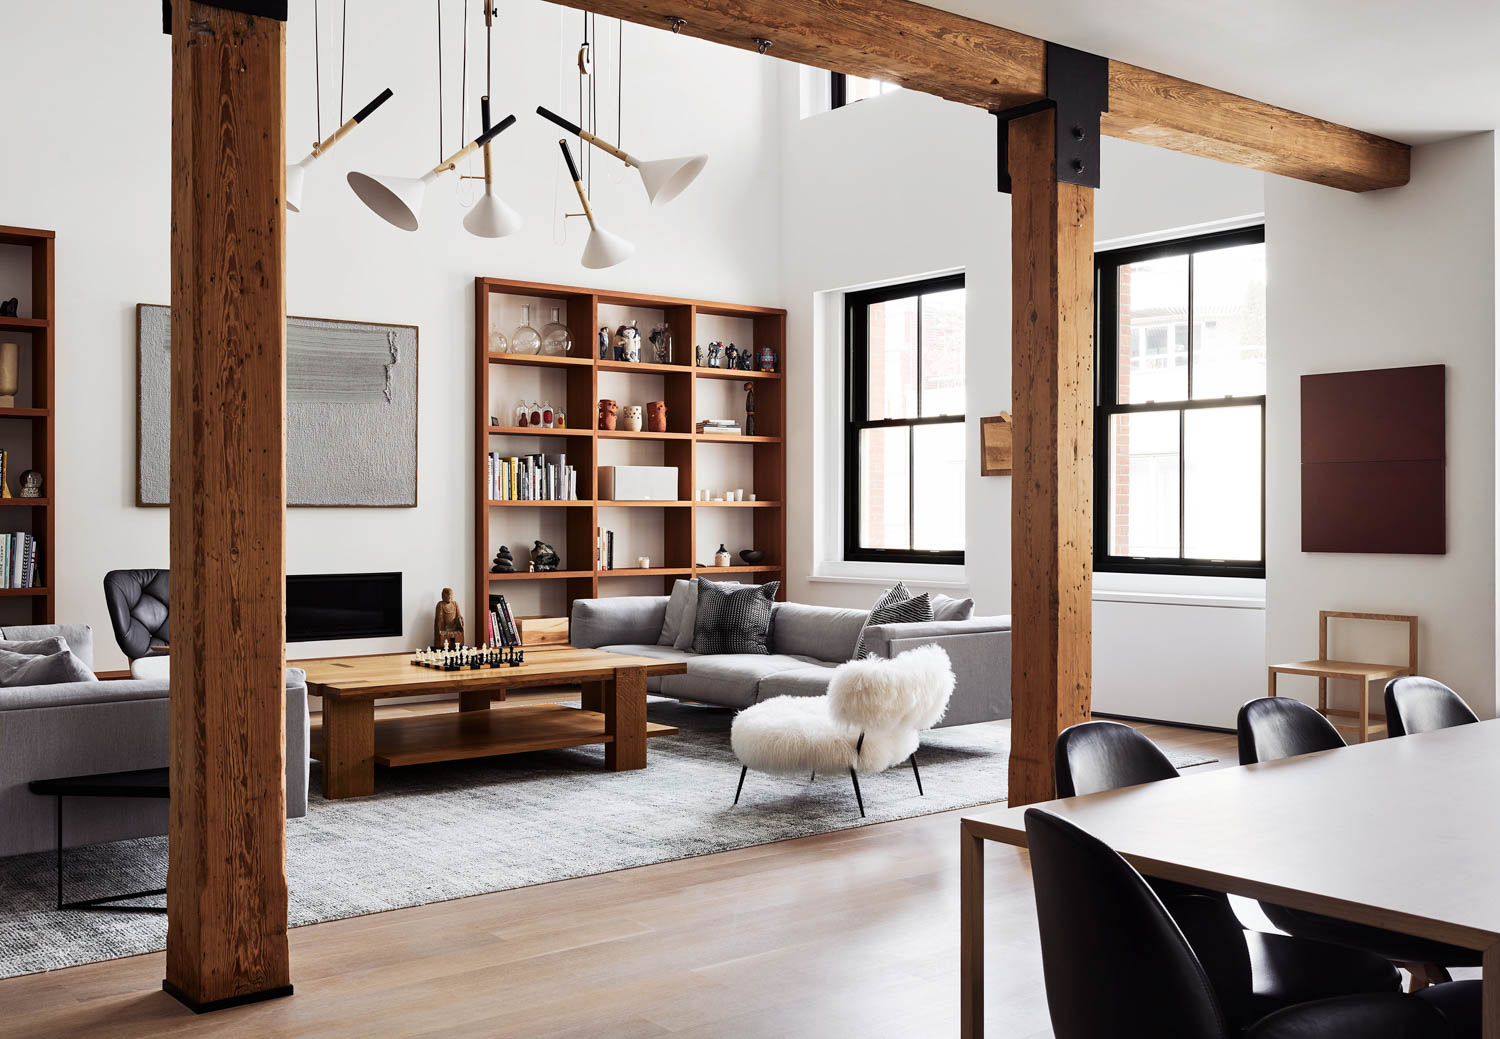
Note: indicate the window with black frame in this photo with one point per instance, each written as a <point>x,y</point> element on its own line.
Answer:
<point>845,89</point>
<point>1179,426</point>
<point>904,437</point>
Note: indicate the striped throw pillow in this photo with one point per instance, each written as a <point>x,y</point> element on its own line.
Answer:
<point>896,606</point>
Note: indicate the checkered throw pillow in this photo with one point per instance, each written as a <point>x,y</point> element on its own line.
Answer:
<point>896,606</point>
<point>733,618</point>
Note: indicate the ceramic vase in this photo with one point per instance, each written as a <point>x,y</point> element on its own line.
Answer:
<point>608,410</point>
<point>656,416</point>
<point>630,418</point>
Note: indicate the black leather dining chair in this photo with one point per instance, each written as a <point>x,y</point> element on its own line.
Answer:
<point>1117,963</point>
<point>1281,970</point>
<point>1276,727</point>
<point>138,604</point>
<point>1418,704</point>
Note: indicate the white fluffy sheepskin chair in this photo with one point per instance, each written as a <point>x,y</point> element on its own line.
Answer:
<point>871,718</point>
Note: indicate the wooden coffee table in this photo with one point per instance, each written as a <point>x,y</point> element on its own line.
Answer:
<point>351,742</point>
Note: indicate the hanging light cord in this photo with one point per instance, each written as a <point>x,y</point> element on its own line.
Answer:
<point>619,83</point>
<point>440,79</point>
<point>343,55</point>
<point>317,74</point>
<point>463,80</point>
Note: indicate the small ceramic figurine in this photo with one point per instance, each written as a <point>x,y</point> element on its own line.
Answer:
<point>749,409</point>
<point>732,355</point>
<point>747,358</point>
<point>656,416</point>
<point>604,341</point>
<point>544,557</point>
<point>698,355</point>
<point>713,354</point>
<point>630,418</point>
<point>767,359</point>
<point>505,563</point>
<point>628,343</point>
<point>447,621</point>
<point>608,409</point>
<point>721,557</point>
<point>10,307</point>
<point>31,483</point>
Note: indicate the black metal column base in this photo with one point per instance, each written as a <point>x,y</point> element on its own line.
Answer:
<point>224,1004</point>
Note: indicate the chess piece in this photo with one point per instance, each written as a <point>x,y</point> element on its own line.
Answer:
<point>544,557</point>
<point>448,621</point>
<point>656,416</point>
<point>505,563</point>
<point>749,409</point>
<point>31,484</point>
<point>608,410</point>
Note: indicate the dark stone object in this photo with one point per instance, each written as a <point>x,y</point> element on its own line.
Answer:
<point>752,555</point>
<point>10,307</point>
<point>544,557</point>
<point>505,563</point>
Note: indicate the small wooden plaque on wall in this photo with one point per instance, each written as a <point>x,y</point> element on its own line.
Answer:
<point>1374,461</point>
<point>995,445</point>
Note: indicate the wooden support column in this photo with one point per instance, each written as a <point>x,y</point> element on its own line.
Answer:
<point>226,878</point>
<point>1052,323</point>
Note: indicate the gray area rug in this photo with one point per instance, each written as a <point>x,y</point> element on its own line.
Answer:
<point>434,832</point>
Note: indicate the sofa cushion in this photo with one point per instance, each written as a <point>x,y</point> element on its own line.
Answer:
<point>733,619</point>
<point>56,668</point>
<point>80,637</point>
<point>616,619</point>
<point>803,681</point>
<point>727,679</point>
<point>947,608</point>
<point>682,611</point>
<point>653,682</point>
<point>35,647</point>
<point>820,632</point>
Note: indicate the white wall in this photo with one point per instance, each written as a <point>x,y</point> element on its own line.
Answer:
<point>1388,279</point>
<point>106,193</point>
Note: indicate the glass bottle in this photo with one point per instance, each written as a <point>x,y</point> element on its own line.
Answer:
<point>557,341</point>
<point>525,339</point>
<point>498,343</point>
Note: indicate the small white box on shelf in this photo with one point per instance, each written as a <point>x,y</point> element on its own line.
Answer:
<point>637,483</point>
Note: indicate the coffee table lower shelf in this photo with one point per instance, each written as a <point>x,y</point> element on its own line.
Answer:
<point>456,736</point>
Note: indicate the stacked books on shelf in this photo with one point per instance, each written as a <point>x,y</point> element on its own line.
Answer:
<point>720,425</point>
<point>606,550</point>
<point>18,561</point>
<point>537,477</point>
<point>502,627</point>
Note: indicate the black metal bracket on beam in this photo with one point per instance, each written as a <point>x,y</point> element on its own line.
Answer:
<point>1078,90</point>
<point>261,8</point>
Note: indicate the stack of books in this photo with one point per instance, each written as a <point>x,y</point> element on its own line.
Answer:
<point>18,561</point>
<point>720,425</point>
<point>502,624</point>
<point>606,550</point>
<point>532,478</point>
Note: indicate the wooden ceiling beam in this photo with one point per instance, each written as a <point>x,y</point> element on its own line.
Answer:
<point>975,63</point>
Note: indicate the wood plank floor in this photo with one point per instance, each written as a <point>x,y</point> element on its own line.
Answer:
<point>842,934</point>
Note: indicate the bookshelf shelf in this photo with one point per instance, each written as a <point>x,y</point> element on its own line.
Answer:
<point>575,528</point>
<point>36,337</point>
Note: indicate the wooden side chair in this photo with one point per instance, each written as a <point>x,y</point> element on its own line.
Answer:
<point>1358,722</point>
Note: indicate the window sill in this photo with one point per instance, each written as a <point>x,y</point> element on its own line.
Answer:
<point>927,575</point>
<point>1231,602</point>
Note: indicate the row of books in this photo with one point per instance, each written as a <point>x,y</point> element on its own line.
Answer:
<point>18,561</point>
<point>605,556</point>
<point>535,477</point>
<point>719,425</point>
<point>502,627</point>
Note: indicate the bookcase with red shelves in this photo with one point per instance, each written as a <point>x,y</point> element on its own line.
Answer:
<point>27,430</point>
<point>575,383</point>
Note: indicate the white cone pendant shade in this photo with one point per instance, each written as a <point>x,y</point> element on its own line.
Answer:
<point>492,218</point>
<point>296,173</point>
<point>665,179</point>
<point>605,249</point>
<point>398,200</point>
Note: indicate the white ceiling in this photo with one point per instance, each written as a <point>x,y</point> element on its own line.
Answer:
<point>1413,70</point>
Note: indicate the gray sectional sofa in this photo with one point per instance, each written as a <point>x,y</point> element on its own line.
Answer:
<point>80,728</point>
<point>807,643</point>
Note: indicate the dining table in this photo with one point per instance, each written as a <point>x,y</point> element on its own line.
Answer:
<point>1399,833</point>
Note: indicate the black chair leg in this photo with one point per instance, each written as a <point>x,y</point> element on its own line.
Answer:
<point>813,778</point>
<point>917,774</point>
<point>857,795</point>
<point>743,770</point>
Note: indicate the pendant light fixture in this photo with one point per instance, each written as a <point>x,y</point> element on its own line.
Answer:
<point>296,173</point>
<point>603,248</point>
<point>490,217</point>
<point>664,179</point>
<point>398,200</point>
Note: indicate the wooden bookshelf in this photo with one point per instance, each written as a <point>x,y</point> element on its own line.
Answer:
<point>28,431</point>
<point>680,445</point>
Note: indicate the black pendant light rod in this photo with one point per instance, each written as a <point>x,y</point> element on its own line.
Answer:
<point>358,117</point>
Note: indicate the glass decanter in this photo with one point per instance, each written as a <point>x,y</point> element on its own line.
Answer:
<point>498,343</point>
<point>525,339</point>
<point>557,341</point>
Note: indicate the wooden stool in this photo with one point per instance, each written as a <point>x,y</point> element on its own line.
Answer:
<point>1361,721</point>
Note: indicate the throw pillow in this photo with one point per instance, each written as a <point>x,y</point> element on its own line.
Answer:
<point>682,608</point>
<point>896,606</point>
<point>18,669</point>
<point>734,618</point>
<point>947,608</point>
<point>35,647</point>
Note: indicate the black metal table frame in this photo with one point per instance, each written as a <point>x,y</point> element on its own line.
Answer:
<point>103,902</point>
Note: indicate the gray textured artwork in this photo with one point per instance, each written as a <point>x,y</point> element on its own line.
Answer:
<point>351,411</point>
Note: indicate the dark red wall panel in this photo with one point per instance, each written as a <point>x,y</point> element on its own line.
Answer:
<point>1374,461</point>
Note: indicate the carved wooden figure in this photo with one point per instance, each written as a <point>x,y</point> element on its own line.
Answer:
<point>447,621</point>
